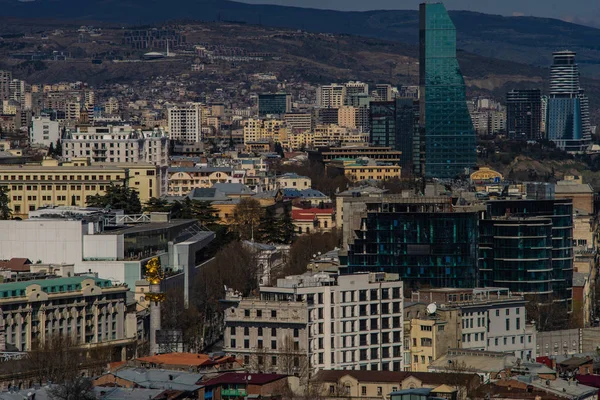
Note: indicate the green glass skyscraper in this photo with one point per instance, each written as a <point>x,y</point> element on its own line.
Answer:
<point>445,123</point>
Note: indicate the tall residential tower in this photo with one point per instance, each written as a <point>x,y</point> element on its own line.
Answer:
<point>568,121</point>
<point>445,123</point>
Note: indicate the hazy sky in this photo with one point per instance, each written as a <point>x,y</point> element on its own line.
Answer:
<point>581,11</point>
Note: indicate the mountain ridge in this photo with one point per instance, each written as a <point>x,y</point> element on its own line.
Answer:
<point>523,39</point>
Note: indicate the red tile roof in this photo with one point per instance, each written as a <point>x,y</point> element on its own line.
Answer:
<point>235,377</point>
<point>16,264</point>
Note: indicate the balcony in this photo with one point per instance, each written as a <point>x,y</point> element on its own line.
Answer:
<point>233,392</point>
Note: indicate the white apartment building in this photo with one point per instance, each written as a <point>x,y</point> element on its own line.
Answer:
<point>293,181</point>
<point>356,87</point>
<point>491,319</point>
<point>185,123</point>
<point>44,131</point>
<point>17,90</point>
<point>119,144</point>
<point>344,322</point>
<point>331,96</point>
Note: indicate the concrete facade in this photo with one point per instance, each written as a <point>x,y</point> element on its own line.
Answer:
<point>44,131</point>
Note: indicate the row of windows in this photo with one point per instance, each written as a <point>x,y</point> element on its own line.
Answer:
<point>57,187</point>
<point>61,177</point>
<point>260,331</point>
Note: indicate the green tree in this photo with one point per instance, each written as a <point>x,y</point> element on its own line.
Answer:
<point>58,148</point>
<point>51,150</point>
<point>268,230</point>
<point>5,211</point>
<point>117,197</point>
<point>286,228</point>
<point>156,204</point>
<point>204,212</point>
<point>279,150</point>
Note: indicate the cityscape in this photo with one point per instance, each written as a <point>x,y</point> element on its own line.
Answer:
<point>223,209</point>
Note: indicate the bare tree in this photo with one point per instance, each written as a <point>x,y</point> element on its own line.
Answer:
<point>260,361</point>
<point>547,313</point>
<point>305,246</point>
<point>292,359</point>
<point>462,377</point>
<point>57,359</point>
<point>78,388</point>
<point>246,218</point>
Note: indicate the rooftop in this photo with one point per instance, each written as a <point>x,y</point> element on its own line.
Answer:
<point>309,214</point>
<point>54,285</point>
<point>233,188</point>
<point>428,378</point>
<point>243,378</point>
<point>150,226</point>
<point>187,359</point>
<point>160,378</point>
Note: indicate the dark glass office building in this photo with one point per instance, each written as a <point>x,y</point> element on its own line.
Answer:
<point>527,246</point>
<point>524,114</point>
<point>393,124</point>
<point>448,130</point>
<point>424,240</point>
<point>328,116</point>
<point>274,104</point>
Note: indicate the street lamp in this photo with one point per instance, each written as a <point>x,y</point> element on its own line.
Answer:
<point>247,379</point>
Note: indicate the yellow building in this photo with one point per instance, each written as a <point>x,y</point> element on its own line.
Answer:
<point>307,220</point>
<point>298,140</point>
<point>182,180</point>
<point>347,116</point>
<point>71,183</point>
<point>362,170</point>
<point>486,175</point>
<point>259,129</point>
<point>326,135</point>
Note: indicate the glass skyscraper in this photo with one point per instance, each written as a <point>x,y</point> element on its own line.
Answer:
<point>425,240</point>
<point>444,118</point>
<point>568,121</point>
<point>274,104</point>
<point>393,124</point>
<point>527,246</point>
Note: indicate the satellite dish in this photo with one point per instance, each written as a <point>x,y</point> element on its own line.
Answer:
<point>431,309</point>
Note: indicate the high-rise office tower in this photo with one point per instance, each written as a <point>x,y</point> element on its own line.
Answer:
<point>274,104</point>
<point>393,124</point>
<point>524,114</point>
<point>427,240</point>
<point>449,137</point>
<point>568,123</point>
